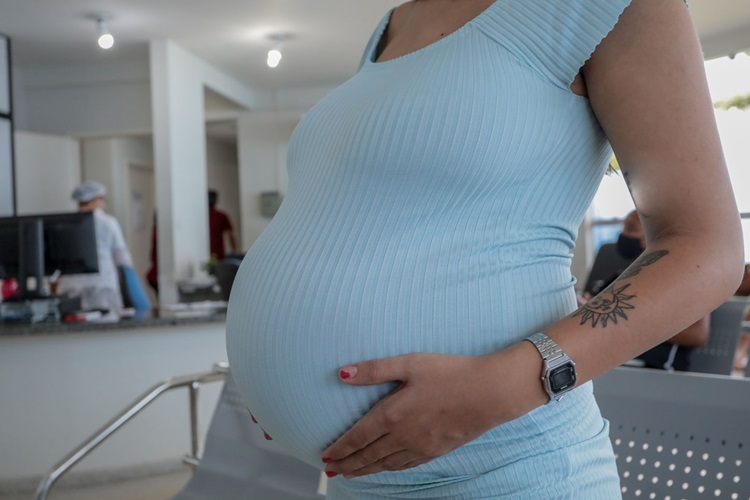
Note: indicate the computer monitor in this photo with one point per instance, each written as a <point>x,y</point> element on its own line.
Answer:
<point>40,245</point>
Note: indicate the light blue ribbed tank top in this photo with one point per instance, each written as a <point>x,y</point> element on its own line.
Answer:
<point>433,202</point>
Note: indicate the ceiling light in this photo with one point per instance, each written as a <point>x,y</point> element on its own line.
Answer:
<point>274,58</point>
<point>106,40</point>
<point>274,55</point>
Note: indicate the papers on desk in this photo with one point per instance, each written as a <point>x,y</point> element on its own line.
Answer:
<point>195,309</point>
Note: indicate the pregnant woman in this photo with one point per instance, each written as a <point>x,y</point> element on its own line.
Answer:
<point>408,319</point>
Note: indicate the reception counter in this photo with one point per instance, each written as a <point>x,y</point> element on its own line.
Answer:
<point>56,327</point>
<point>59,383</point>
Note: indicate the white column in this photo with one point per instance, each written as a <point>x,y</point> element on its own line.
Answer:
<point>180,166</point>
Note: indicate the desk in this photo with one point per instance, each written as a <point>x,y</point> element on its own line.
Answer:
<point>60,382</point>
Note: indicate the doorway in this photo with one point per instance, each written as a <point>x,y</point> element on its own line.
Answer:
<point>141,206</point>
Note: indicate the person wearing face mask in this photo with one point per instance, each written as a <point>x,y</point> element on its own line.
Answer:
<point>613,258</point>
<point>611,261</point>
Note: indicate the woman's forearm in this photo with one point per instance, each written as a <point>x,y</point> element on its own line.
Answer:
<point>677,281</point>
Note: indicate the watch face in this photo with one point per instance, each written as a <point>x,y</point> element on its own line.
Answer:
<point>562,378</point>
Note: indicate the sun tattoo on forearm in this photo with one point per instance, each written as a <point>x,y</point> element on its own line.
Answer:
<point>613,302</point>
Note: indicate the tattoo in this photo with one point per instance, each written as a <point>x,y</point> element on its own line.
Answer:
<point>612,302</point>
<point>606,306</point>
<point>642,261</point>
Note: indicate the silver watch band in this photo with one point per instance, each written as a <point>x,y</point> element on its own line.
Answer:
<point>547,347</point>
<point>558,374</point>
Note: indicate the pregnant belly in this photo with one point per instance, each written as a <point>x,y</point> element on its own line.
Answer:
<point>292,389</point>
<point>286,343</point>
<point>294,319</point>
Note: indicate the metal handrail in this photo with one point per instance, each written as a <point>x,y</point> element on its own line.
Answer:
<point>192,382</point>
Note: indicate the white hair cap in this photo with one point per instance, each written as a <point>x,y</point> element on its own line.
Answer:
<point>88,191</point>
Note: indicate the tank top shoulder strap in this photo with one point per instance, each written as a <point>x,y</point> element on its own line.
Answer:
<point>372,44</point>
<point>555,38</point>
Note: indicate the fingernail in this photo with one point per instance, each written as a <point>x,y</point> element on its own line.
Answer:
<point>348,372</point>
<point>253,418</point>
<point>268,438</point>
<point>327,460</point>
<point>330,473</point>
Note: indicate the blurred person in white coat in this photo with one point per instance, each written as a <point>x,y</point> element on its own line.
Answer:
<point>99,290</point>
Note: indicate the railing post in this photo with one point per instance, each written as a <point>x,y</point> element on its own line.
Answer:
<point>194,392</point>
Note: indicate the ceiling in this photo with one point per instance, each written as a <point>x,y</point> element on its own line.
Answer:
<point>327,35</point>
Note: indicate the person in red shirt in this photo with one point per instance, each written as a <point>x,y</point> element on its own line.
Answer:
<point>219,224</point>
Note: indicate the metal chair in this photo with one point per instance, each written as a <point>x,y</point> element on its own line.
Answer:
<point>238,462</point>
<point>678,435</point>
<point>726,325</point>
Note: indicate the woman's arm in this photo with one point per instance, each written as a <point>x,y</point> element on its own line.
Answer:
<point>646,83</point>
<point>647,86</point>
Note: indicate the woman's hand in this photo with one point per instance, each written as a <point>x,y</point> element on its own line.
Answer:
<point>443,402</point>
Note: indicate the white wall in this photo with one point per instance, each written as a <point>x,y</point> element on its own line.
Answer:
<point>67,100</point>
<point>263,143</point>
<point>48,168</point>
<point>106,160</point>
<point>59,389</point>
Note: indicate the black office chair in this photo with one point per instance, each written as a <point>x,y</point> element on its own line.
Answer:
<point>608,264</point>
<point>225,271</point>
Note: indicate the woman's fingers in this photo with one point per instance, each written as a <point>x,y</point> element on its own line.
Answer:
<point>441,404</point>
<point>397,461</point>
<point>382,449</point>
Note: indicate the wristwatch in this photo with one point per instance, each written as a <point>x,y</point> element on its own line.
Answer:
<point>559,372</point>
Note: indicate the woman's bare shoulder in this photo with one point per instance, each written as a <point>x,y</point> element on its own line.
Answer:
<point>399,18</point>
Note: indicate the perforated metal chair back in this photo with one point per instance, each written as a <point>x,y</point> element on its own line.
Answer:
<point>726,326</point>
<point>239,463</point>
<point>678,435</point>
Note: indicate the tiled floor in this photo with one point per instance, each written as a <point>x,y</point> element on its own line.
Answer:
<point>162,487</point>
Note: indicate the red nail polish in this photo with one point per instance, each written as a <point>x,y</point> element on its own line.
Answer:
<point>327,460</point>
<point>344,374</point>
<point>330,473</point>
<point>253,418</point>
<point>265,435</point>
